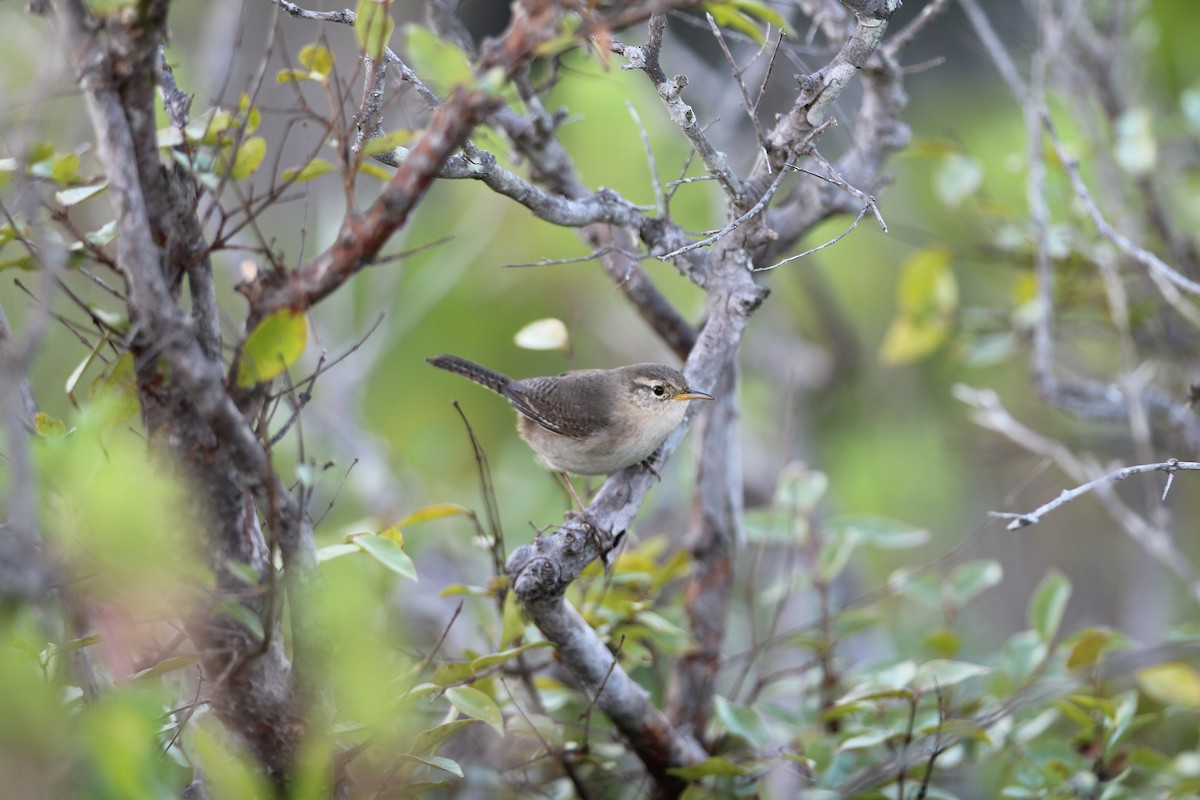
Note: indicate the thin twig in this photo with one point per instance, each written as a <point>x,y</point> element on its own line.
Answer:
<point>1170,466</point>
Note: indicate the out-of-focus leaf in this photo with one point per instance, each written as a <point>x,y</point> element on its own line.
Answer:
<point>544,334</point>
<point>927,299</point>
<point>1048,604</point>
<point>48,426</point>
<point>1171,684</point>
<point>332,551</point>
<point>881,532</point>
<point>1084,647</point>
<point>741,721</point>
<point>373,26</point>
<point>274,345</point>
<point>390,141</point>
<point>713,765</point>
<point>1136,148</point>
<point>434,512</point>
<point>439,762</point>
<point>317,60</point>
<point>835,553</point>
<point>118,387</point>
<point>388,553</point>
<point>71,197</point>
<point>475,704</point>
<point>248,158</point>
<point>970,578</point>
<point>942,673</point>
<point>437,61</point>
<point>428,740</point>
<point>957,177</point>
<point>313,169</point>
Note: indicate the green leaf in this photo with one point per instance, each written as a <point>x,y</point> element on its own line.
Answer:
<point>800,489</point>
<point>942,673</point>
<point>274,345</point>
<point>291,76</point>
<point>745,16</point>
<point>1171,684</point>
<point>373,27</point>
<point>882,532</point>
<point>313,169</point>
<point>714,765</point>
<point>250,116</point>
<point>438,762</point>
<point>317,60</point>
<point>395,142</point>
<point>426,741</point>
<point>970,578</point>
<point>375,171</point>
<point>249,156</point>
<point>332,551</point>
<point>475,704</point>
<point>835,554</point>
<point>70,197</point>
<point>1084,647</point>
<point>388,553</point>
<point>437,61</point>
<point>117,386</point>
<point>957,177</point>
<point>926,300</point>
<point>742,721</point>
<point>165,666</point>
<point>243,616</point>
<point>1136,148</point>
<point>1048,604</point>
<point>481,663</point>
<point>438,511</point>
<point>512,620</point>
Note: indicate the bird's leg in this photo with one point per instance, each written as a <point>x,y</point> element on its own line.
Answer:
<point>648,463</point>
<point>571,488</point>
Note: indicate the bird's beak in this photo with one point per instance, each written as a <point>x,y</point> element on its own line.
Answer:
<point>692,394</point>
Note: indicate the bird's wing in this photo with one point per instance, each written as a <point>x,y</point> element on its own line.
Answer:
<point>536,400</point>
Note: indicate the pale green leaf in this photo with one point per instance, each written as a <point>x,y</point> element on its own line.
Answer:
<point>438,762</point>
<point>957,177</point>
<point>942,673</point>
<point>388,553</point>
<point>970,578</point>
<point>426,741</point>
<point>1136,148</point>
<point>437,61</point>
<point>475,704</point>
<point>1048,604</point>
<point>71,197</point>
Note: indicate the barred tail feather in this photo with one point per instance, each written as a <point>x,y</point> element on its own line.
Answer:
<point>477,372</point>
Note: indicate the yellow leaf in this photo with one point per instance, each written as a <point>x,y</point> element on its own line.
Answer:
<point>435,512</point>
<point>274,345</point>
<point>316,59</point>
<point>249,156</point>
<point>1172,684</point>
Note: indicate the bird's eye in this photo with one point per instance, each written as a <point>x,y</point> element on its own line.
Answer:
<point>658,390</point>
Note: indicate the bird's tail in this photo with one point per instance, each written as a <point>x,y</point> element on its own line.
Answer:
<point>477,372</point>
